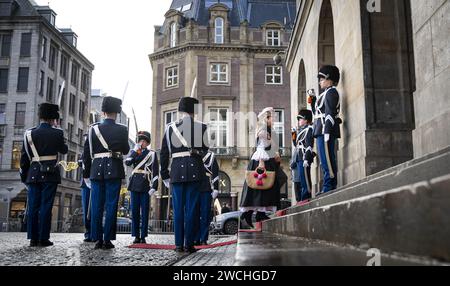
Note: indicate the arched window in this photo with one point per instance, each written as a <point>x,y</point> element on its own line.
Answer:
<point>173,35</point>
<point>219,31</point>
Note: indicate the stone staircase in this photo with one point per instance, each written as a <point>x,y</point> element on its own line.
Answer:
<point>404,210</point>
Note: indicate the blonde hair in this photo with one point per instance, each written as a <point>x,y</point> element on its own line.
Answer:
<point>262,122</point>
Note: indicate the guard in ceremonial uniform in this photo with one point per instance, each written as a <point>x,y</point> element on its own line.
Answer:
<point>185,141</point>
<point>143,184</point>
<point>104,171</point>
<point>304,144</point>
<point>39,170</point>
<point>208,192</point>
<point>326,125</point>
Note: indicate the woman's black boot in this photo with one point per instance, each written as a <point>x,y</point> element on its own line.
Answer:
<point>247,216</point>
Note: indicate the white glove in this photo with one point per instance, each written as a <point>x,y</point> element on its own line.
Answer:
<point>327,137</point>
<point>88,183</point>
<point>214,194</point>
<point>167,183</point>
<point>305,164</point>
<point>137,147</point>
<point>293,130</point>
<point>151,192</point>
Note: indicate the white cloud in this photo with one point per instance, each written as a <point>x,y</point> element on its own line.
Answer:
<point>117,37</point>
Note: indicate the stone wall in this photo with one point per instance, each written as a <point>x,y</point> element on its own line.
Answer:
<point>431,30</point>
<point>349,58</point>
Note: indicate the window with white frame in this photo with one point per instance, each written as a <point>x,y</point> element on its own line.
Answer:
<point>278,126</point>
<point>172,77</point>
<point>219,30</point>
<point>173,35</point>
<point>273,38</point>
<point>218,127</point>
<point>218,73</point>
<point>170,116</point>
<point>274,75</point>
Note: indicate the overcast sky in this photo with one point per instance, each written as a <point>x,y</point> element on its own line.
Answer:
<point>117,37</point>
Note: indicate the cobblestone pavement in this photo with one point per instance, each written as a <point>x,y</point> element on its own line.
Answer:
<point>219,256</point>
<point>70,250</point>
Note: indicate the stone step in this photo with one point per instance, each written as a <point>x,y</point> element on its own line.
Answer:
<point>413,219</point>
<point>402,210</point>
<point>415,171</point>
<point>265,249</point>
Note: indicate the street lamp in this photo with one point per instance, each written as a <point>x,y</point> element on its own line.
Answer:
<point>278,59</point>
<point>9,207</point>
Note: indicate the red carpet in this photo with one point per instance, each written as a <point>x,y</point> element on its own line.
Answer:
<point>172,247</point>
<point>303,203</point>
<point>281,213</point>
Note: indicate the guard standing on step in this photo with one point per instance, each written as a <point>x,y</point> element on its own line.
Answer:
<point>326,125</point>
<point>143,184</point>
<point>208,192</point>
<point>186,142</point>
<point>39,170</point>
<point>304,145</point>
<point>104,171</point>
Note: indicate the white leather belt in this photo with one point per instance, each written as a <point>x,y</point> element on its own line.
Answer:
<point>181,155</point>
<point>319,116</point>
<point>44,159</point>
<point>104,155</point>
<point>142,172</point>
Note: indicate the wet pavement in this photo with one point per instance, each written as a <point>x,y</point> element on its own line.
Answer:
<point>253,249</point>
<point>70,250</point>
<point>263,249</point>
<point>219,256</point>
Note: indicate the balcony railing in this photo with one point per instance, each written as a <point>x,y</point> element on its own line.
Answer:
<point>224,151</point>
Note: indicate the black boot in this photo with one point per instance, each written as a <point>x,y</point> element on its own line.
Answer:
<point>99,244</point>
<point>191,249</point>
<point>179,249</point>
<point>260,216</point>
<point>143,241</point>
<point>34,243</point>
<point>137,240</point>
<point>45,243</point>
<point>108,245</point>
<point>247,216</point>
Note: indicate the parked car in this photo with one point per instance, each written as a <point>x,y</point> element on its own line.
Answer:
<point>227,223</point>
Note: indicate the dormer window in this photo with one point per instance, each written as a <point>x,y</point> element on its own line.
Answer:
<point>219,27</point>
<point>173,35</point>
<point>273,38</point>
<point>52,19</point>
